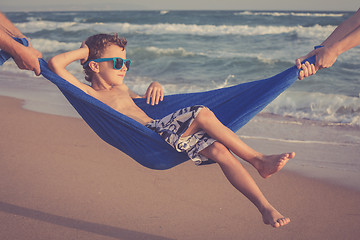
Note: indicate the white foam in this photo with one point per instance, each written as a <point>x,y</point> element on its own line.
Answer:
<point>181,52</point>
<point>47,45</point>
<point>332,108</point>
<point>35,26</point>
<point>167,28</point>
<point>213,30</point>
<point>298,14</point>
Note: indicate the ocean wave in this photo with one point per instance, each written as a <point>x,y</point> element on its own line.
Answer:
<point>36,26</point>
<point>331,108</point>
<point>152,51</point>
<point>178,29</point>
<point>297,14</point>
<point>47,45</point>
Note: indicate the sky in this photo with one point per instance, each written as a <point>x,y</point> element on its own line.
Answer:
<point>68,5</point>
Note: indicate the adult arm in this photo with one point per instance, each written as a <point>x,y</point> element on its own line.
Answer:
<point>343,38</point>
<point>24,57</point>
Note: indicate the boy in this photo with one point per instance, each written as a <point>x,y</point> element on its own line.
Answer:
<point>195,129</point>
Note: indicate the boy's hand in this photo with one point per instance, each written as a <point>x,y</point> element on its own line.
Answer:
<point>154,92</point>
<point>86,52</point>
<point>307,70</point>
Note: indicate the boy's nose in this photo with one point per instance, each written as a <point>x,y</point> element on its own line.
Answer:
<point>124,68</point>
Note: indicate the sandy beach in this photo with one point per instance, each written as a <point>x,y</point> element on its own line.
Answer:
<point>58,180</point>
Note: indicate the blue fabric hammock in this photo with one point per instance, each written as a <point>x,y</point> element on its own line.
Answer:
<point>234,107</point>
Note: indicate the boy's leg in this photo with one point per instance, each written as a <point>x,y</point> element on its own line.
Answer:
<point>243,182</point>
<point>265,164</point>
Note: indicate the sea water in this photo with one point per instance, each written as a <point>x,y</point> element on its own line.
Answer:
<point>190,51</point>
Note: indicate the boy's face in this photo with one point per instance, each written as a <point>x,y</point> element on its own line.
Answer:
<point>106,69</point>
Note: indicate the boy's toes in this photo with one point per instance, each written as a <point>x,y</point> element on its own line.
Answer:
<point>276,225</point>
<point>287,156</point>
<point>281,222</point>
<point>281,162</point>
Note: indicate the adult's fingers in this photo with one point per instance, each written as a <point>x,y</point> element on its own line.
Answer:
<point>37,71</point>
<point>298,61</point>
<point>301,75</point>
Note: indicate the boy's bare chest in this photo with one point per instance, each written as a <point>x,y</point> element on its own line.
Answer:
<point>120,100</point>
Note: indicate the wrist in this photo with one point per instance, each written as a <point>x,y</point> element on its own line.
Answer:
<point>83,54</point>
<point>336,49</point>
<point>16,49</point>
<point>75,55</point>
<point>20,35</point>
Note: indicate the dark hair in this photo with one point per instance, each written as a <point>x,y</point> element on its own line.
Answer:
<point>97,45</point>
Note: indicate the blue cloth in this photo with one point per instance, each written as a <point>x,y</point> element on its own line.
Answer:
<point>234,107</point>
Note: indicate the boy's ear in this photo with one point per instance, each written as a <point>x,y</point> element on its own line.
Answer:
<point>94,66</point>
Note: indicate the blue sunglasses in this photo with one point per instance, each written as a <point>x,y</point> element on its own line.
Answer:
<point>118,62</point>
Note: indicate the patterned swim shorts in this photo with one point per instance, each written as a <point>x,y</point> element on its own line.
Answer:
<point>173,126</point>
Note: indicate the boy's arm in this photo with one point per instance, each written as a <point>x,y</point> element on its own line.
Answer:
<point>154,92</point>
<point>59,63</point>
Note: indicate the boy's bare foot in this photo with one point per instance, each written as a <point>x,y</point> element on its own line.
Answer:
<point>270,164</point>
<point>272,217</point>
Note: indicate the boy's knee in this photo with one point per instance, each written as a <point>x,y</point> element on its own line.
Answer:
<point>204,116</point>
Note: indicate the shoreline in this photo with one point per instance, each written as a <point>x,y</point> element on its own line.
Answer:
<point>59,180</point>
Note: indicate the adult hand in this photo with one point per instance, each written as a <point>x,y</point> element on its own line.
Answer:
<point>27,58</point>
<point>307,70</point>
<point>299,61</point>
<point>154,92</point>
<point>325,58</point>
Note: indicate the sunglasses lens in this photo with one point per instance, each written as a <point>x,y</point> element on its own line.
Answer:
<point>118,63</point>
<point>127,64</point>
